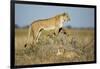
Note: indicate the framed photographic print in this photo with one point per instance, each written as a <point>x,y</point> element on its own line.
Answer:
<point>50,34</point>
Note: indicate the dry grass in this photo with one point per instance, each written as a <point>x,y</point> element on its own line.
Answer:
<point>75,46</point>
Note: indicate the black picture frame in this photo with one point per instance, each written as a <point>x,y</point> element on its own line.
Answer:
<point>12,33</point>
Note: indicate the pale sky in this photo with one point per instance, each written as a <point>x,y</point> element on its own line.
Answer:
<point>25,14</point>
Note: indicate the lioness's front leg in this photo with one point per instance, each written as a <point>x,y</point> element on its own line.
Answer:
<point>56,31</point>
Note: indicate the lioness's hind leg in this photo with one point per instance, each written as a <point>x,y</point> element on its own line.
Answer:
<point>38,35</point>
<point>35,37</point>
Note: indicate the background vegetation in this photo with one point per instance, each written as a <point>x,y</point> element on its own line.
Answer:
<point>77,45</point>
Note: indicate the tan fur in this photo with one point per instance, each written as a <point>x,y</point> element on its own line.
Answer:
<point>55,23</point>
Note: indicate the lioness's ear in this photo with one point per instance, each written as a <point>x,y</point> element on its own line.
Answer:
<point>64,14</point>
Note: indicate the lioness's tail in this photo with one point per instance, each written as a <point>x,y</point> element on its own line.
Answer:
<point>29,31</point>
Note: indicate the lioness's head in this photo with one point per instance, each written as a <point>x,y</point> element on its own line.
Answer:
<point>66,17</point>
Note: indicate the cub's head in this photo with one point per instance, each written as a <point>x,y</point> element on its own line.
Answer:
<point>65,17</point>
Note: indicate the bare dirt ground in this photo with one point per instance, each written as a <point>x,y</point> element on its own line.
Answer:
<point>75,46</point>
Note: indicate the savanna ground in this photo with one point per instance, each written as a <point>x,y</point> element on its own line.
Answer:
<point>77,45</point>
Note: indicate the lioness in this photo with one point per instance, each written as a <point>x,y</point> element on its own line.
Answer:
<point>55,22</point>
